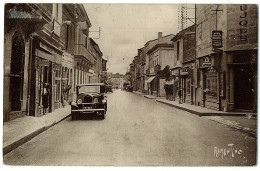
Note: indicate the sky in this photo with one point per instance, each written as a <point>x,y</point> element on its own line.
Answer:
<point>127,27</point>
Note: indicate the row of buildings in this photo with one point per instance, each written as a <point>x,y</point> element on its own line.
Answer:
<point>116,80</point>
<point>213,62</point>
<point>47,48</point>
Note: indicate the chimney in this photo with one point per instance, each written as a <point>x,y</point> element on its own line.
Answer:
<point>159,37</point>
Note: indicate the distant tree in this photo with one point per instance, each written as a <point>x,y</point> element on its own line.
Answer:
<point>166,72</point>
<point>128,76</point>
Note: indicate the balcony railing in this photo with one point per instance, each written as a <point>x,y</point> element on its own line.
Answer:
<point>81,50</point>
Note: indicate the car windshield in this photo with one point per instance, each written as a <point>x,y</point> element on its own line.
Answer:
<point>89,89</point>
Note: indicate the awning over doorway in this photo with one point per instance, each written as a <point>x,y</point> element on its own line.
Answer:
<point>150,79</point>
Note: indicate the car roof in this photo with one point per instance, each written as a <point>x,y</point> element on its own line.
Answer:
<point>92,84</point>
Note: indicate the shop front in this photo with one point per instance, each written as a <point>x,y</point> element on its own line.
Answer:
<point>242,75</point>
<point>44,87</point>
<point>208,78</point>
<point>151,85</point>
<point>175,74</point>
<point>186,84</point>
<point>67,76</point>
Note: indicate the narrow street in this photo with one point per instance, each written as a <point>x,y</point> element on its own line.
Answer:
<point>136,132</point>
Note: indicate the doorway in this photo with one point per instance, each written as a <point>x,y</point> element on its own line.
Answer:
<point>17,72</point>
<point>243,87</point>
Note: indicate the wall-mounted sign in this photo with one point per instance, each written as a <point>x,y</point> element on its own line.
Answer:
<point>184,71</point>
<point>43,63</point>
<point>217,39</point>
<point>206,62</point>
<point>243,23</point>
<point>212,70</point>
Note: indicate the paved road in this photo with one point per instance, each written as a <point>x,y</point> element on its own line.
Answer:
<point>137,132</point>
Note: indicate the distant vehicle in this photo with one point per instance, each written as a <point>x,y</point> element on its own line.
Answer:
<point>109,88</point>
<point>90,99</point>
<point>125,86</point>
<point>129,88</point>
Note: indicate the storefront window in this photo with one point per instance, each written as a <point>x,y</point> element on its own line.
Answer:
<point>211,84</point>
<point>57,85</point>
<point>188,85</point>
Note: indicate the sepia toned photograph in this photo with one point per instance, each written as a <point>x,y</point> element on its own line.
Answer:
<point>129,84</point>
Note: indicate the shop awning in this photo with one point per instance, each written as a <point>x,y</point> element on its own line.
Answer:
<point>150,79</point>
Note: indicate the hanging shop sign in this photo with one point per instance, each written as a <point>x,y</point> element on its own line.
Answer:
<point>217,39</point>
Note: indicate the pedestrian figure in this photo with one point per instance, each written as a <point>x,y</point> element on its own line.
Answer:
<point>45,97</point>
<point>175,84</point>
<point>170,89</point>
<point>166,88</point>
<point>180,94</point>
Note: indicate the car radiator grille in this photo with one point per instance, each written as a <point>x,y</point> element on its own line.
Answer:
<point>87,99</point>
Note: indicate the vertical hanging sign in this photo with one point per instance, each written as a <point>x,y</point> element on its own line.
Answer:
<point>216,39</point>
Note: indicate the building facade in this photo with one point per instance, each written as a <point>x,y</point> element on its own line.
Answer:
<point>45,56</point>
<point>227,70</point>
<point>160,55</point>
<point>83,61</point>
<point>184,63</point>
<point>96,54</point>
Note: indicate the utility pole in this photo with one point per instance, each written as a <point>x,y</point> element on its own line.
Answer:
<point>216,12</point>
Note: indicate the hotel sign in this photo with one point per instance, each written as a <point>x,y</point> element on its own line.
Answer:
<point>217,39</point>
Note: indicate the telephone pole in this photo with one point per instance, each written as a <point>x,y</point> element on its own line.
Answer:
<point>216,12</point>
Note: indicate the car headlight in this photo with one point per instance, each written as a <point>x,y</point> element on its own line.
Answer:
<point>79,101</point>
<point>104,101</point>
<point>73,103</point>
<point>95,100</point>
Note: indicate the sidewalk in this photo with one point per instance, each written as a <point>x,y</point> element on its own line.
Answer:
<point>19,131</point>
<point>137,92</point>
<point>147,96</point>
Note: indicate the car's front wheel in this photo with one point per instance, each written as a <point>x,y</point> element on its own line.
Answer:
<point>103,115</point>
<point>73,116</point>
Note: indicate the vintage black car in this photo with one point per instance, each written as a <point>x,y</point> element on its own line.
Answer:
<point>90,99</point>
<point>109,88</point>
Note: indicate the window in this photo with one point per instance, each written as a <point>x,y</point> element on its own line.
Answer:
<point>188,82</point>
<point>57,15</point>
<point>67,37</point>
<point>178,50</point>
<point>211,84</point>
<point>48,7</point>
<point>86,43</point>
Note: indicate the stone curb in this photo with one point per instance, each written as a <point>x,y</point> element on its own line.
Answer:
<point>182,108</point>
<point>208,113</point>
<point>30,136</point>
<point>238,128</point>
